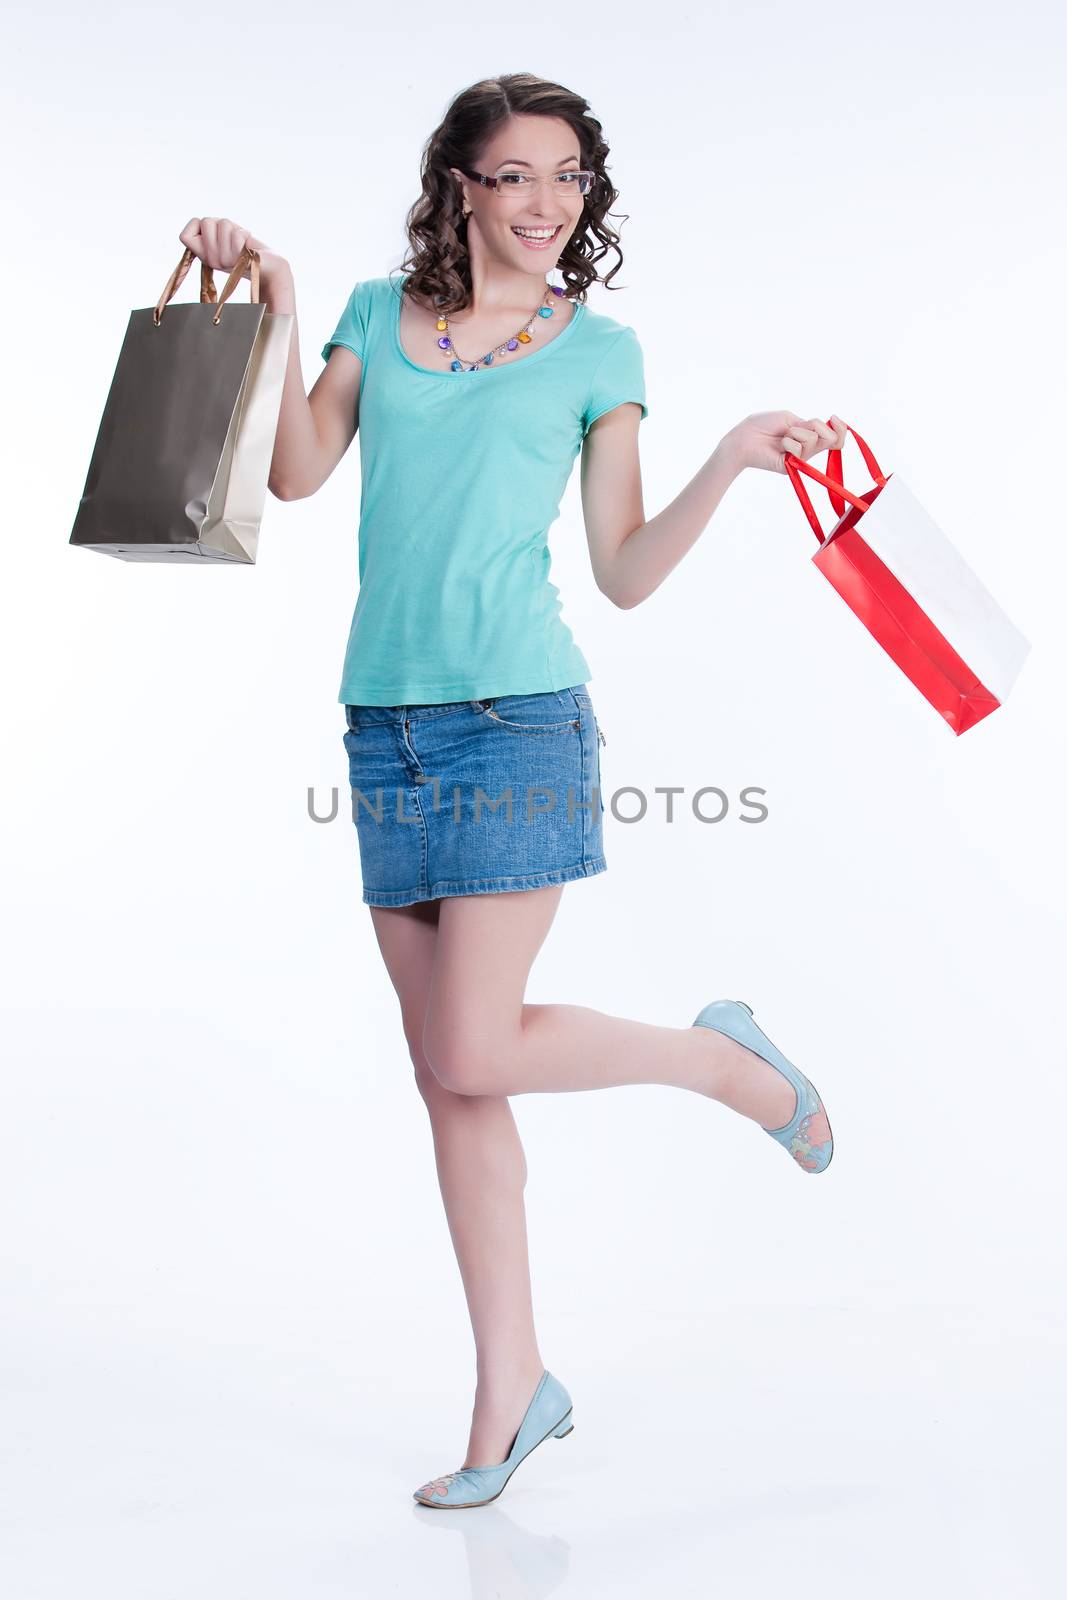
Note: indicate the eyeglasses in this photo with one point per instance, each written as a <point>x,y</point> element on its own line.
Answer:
<point>569,183</point>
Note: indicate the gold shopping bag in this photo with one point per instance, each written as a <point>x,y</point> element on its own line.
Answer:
<point>182,456</point>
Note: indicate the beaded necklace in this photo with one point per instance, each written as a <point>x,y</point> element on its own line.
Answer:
<point>523,336</point>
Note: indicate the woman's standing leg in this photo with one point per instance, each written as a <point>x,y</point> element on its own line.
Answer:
<point>481,1169</point>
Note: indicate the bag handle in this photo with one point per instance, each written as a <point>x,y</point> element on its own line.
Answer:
<point>208,294</point>
<point>833,481</point>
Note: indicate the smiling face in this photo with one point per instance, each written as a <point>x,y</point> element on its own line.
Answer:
<point>534,145</point>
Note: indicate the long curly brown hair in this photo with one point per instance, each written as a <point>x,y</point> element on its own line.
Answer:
<point>438,260</point>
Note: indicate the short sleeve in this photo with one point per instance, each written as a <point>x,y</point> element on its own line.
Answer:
<point>351,329</point>
<point>619,377</point>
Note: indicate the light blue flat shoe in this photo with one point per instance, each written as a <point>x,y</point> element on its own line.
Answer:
<point>807,1134</point>
<point>549,1412</point>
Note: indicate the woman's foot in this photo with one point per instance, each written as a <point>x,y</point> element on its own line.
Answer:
<point>500,1403</point>
<point>549,1414</point>
<point>806,1133</point>
<point>742,1080</point>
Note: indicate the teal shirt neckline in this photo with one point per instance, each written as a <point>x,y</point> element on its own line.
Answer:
<point>446,372</point>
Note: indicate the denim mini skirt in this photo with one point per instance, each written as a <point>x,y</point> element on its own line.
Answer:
<point>475,796</point>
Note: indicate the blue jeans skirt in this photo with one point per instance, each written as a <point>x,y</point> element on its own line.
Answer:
<point>475,796</point>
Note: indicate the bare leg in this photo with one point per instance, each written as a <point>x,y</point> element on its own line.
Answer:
<point>482,1038</point>
<point>481,1169</point>
<point>460,967</point>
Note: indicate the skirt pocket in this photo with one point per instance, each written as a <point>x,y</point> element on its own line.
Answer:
<point>552,712</point>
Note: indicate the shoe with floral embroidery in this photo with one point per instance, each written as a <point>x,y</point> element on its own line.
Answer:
<point>807,1134</point>
<point>549,1412</point>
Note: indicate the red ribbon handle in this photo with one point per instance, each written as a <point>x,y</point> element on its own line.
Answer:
<point>832,479</point>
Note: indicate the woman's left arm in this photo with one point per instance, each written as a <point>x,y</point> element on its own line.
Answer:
<point>631,557</point>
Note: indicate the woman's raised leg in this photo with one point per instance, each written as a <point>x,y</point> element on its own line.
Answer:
<point>481,1169</point>
<point>481,1037</point>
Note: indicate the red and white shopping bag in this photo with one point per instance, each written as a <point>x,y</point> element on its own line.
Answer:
<point>913,591</point>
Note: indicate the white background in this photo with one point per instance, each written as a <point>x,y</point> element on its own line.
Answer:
<point>233,1331</point>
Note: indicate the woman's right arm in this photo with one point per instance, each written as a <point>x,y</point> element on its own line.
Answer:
<point>314,430</point>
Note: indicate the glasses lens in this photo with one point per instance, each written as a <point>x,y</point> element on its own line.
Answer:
<point>574,182</point>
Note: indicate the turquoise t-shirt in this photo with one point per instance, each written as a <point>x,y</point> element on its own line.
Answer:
<point>462,475</point>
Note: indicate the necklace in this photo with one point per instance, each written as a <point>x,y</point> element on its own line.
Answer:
<point>522,337</point>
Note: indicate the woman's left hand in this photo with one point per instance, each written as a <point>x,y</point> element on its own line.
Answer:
<point>764,439</point>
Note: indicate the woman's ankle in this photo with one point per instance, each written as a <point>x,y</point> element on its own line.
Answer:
<point>504,1375</point>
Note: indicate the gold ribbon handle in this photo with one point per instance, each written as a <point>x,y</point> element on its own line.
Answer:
<point>208,293</point>
<point>248,258</point>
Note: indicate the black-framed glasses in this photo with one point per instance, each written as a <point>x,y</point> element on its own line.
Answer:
<point>570,182</point>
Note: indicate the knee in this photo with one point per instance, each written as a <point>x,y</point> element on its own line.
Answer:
<point>425,1081</point>
<point>448,1070</point>
<point>459,1060</point>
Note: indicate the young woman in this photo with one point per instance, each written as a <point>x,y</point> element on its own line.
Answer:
<point>475,384</point>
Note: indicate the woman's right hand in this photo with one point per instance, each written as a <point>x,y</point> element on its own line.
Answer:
<point>219,242</point>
